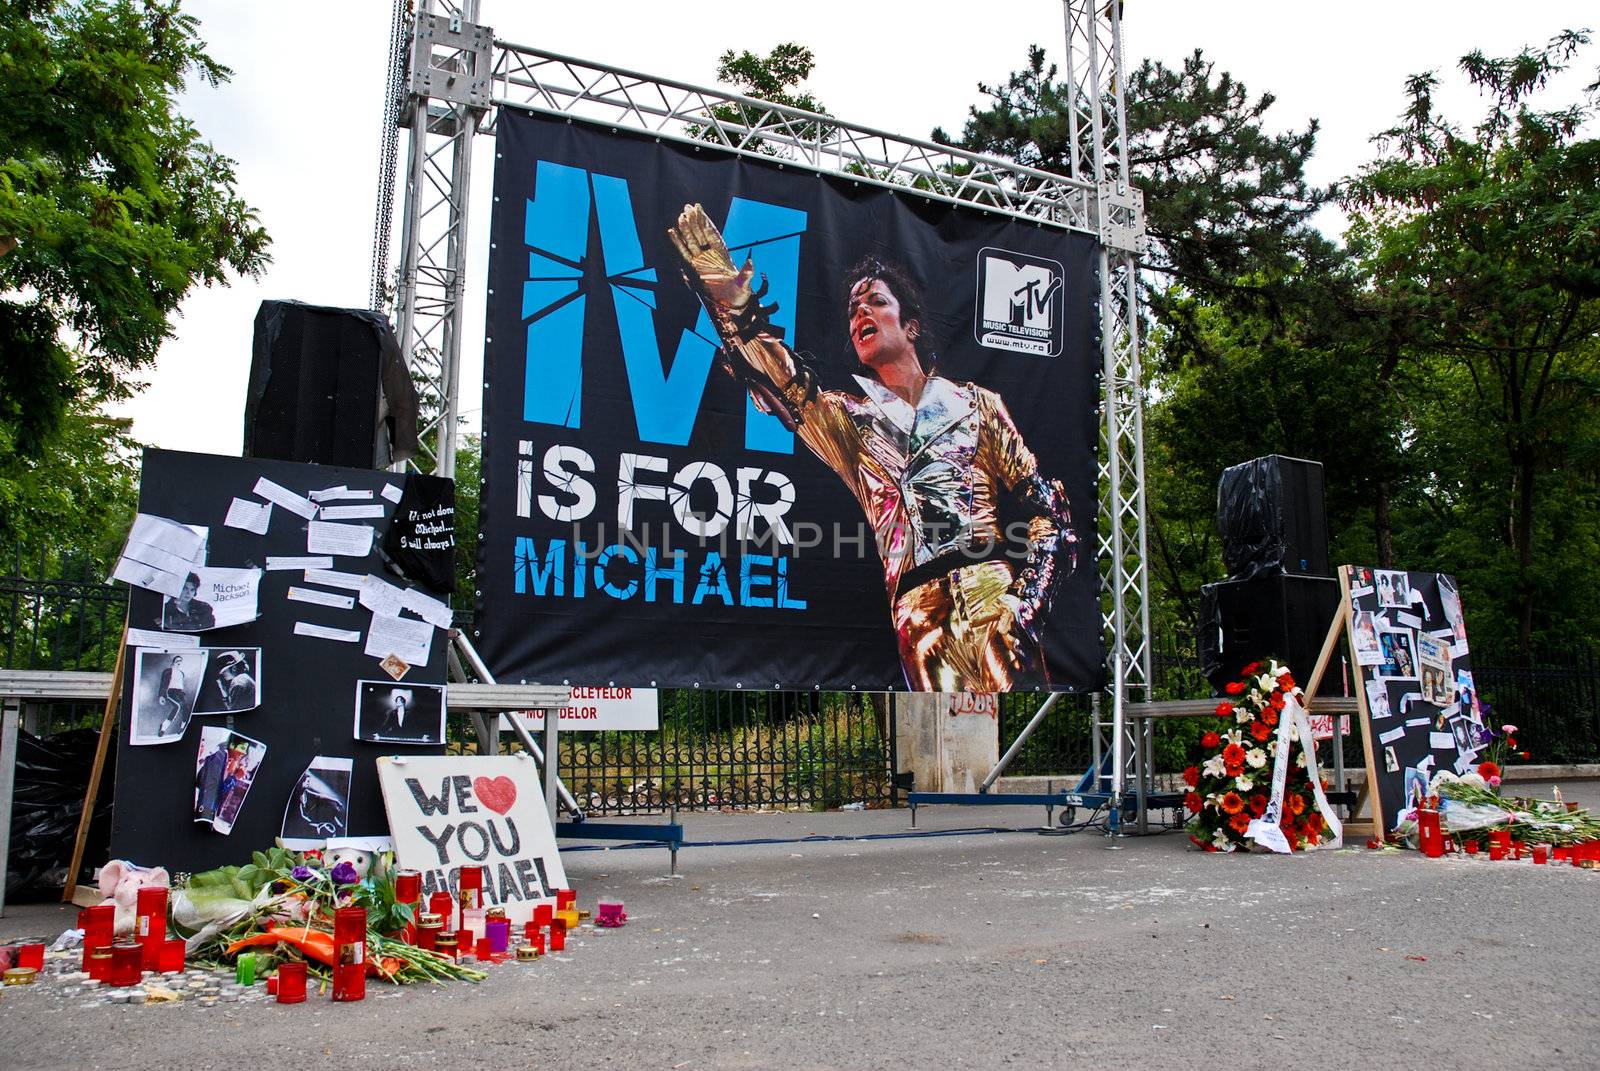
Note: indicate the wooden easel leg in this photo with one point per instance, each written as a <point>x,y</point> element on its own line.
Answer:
<point>108,725</point>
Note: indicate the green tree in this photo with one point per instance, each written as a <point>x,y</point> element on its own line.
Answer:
<point>1255,339</point>
<point>1483,248</point>
<point>469,482</point>
<point>774,77</point>
<point>1227,203</point>
<point>112,208</point>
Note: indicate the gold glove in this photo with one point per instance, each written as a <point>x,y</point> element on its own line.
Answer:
<point>752,348</point>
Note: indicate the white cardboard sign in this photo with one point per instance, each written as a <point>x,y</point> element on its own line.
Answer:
<point>600,709</point>
<point>446,811</point>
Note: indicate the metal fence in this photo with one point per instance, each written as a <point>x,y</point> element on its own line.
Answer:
<point>57,615</point>
<point>740,749</point>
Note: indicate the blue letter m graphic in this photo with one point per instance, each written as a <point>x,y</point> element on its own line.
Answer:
<point>554,301</point>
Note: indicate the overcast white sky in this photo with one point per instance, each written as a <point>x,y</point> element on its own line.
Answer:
<point>301,116</point>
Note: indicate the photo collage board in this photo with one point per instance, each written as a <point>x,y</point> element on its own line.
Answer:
<point>1408,639</point>
<point>283,632</point>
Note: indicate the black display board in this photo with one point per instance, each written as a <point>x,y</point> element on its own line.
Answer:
<point>308,684</point>
<point>1420,701</point>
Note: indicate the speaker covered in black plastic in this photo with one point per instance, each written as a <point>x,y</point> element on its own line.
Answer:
<point>1276,615</point>
<point>1270,513</point>
<point>328,386</point>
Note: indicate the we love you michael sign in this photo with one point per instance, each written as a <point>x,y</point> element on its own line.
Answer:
<point>450,811</point>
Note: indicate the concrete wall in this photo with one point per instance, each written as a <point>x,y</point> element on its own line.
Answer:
<point>948,741</point>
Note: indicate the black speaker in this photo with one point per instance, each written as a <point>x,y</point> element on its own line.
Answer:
<point>1274,615</point>
<point>327,386</point>
<point>1271,516</point>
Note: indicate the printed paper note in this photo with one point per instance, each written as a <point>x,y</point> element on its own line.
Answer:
<point>322,632</point>
<point>286,498</point>
<point>345,540</point>
<point>249,516</point>
<point>322,598</point>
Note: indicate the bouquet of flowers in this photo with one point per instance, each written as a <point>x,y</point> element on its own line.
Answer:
<point>1471,805</point>
<point>1232,782</point>
<point>282,903</point>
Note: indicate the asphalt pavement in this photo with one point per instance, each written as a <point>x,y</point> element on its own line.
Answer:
<point>836,940</point>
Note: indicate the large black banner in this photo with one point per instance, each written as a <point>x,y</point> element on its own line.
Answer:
<point>752,426</point>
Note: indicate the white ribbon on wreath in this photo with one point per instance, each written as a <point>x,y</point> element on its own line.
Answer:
<point>1265,830</point>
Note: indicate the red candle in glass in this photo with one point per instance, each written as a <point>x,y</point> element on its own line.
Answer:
<point>1541,854</point>
<point>150,923</point>
<point>442,905</point>
<point>558,935</point>
<point>350,952</point>
<point>566,898</point>
<point>470,886</point>
<point>484,951</point>
<point>292,982</point>
<point>31,956</point>
<point>272,985</point>
<point>542,914</point>
<point>408,890</point>
<point>127,963</point>
<point>537,941</point>
<point>100,963</point>
<point>98,924</point>
<point>1429,837</point>
<point>1496,851</point>
<point>172,955</point>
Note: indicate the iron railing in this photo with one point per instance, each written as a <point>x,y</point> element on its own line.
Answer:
<point>740,750</point>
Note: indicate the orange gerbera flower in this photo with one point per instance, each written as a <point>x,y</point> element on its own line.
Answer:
<point>1240,823</point>
<point>1258,804</point>
<point>1234,688</point>
<point>1224,709</point>
<point>1233,755</point>
<point>1296,805</point>
<point>1270,716</point>
<point>1232,802</point>
<point>1191,802</point>
<point>1260,730</point>
<point>1210,740</point>
<point>1191,776</point>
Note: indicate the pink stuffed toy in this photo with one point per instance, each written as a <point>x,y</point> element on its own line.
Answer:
<point>120,882</point>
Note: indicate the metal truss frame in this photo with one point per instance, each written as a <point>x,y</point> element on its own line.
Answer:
<point>456,78</point>
<point>1097,127</point>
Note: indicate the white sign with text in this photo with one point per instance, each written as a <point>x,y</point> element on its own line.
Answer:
<point>446,811</point>
<point>601,709</point>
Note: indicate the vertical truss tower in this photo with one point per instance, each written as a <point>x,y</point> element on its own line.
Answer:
<point>449,78</point>
<point>1097,127</point>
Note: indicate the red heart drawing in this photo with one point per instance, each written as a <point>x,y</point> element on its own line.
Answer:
<point>496,793</point>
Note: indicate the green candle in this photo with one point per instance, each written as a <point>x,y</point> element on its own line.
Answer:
<point>245,973</point>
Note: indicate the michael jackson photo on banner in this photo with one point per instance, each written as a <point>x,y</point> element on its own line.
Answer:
<point>749,426</point>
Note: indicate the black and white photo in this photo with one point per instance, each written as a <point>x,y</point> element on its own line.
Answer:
<point>166,686</point>
<point>391,713</point>
<point>319,806</point>
<point>211,598</point>
<point>232,681</point>
<point>1393,588</point>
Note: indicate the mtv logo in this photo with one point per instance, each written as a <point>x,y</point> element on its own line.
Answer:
<point>1019,302</point>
